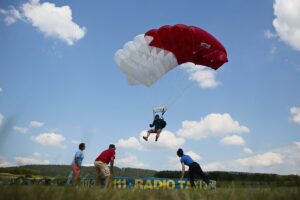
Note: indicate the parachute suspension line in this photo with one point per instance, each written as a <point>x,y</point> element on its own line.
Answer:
<point>178,85</point>
<point>172,101</point>
<point>180,94</point>
<point>179,88</point>
<point>169,94</point>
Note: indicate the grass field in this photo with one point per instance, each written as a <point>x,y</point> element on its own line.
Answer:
<point>11,192</point>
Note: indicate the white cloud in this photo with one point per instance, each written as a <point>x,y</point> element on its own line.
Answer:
<point>284,160</point>
<point>265,159</point>
<point>273,50</point>
<point>130,143</point>
<point>259,162</point>
<point>4,163</point>
<point>204,76</point>
<point>1,119</point>
<point>268,34</point>
<point>286,22</point>
<point>53,21</point>
<point>36,124</point>
<point>291,154</point>
<point>36,154</point>
<point>49,139</point>
<point>174,163</point>
<point>295,112</point>
<point>214,166</point>
<point>247,150</point>
<point>167,140</point>
<point>19,129</point>
<point>76,142</point>
<point>130,161</point>
<point>233,140</point>
<point>31,160</point>
<point>32,124</point>
<point>212,125</point>
<point>11,15</point>
<point>291,159</point>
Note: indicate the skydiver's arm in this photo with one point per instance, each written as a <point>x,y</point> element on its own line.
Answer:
<point>182,170</point>
<point>151,125</point>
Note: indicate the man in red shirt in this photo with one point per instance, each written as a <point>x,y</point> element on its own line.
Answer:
<point>101,164</point>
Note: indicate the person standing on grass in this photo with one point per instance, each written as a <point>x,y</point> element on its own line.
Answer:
<point>101,164</point>
<point>194,168</point>
<point>76,165</point>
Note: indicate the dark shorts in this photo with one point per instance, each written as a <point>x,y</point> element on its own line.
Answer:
<point>154,130</point>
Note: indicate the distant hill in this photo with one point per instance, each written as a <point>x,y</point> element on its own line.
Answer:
<point>63,171</point>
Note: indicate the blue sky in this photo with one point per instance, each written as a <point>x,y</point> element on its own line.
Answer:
<point>60,85</point>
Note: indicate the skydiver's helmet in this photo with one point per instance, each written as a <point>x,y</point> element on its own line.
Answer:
<point>156,117</point>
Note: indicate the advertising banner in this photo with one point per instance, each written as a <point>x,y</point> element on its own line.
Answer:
<point>155,183</point>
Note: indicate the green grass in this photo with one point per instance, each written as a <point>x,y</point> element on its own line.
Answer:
<point>11,192</point>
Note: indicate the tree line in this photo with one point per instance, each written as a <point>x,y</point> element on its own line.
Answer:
<point>242,178</point>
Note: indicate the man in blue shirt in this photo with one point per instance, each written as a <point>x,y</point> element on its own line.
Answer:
<point>76,165</point>
<point>194,168</point>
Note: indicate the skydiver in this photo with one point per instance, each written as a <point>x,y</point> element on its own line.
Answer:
<point>158,124</point>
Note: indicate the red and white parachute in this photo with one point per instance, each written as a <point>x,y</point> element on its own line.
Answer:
<point>151,55</point>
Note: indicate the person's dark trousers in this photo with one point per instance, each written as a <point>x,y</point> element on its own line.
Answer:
<point>196,172</point>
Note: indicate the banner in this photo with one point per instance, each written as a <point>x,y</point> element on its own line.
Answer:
<point>155,183</point>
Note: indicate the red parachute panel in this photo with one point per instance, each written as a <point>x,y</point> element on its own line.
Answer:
<point>189,44</point>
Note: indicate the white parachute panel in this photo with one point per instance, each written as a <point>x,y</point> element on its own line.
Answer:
<point>143,64</point>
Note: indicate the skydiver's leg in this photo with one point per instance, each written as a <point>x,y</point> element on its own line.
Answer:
<point>158,131</point>
<point>148,134</point>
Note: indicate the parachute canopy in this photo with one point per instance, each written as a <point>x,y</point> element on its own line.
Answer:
<point>151,55</point>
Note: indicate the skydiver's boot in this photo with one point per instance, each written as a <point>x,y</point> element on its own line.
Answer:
<point>145,138</point>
